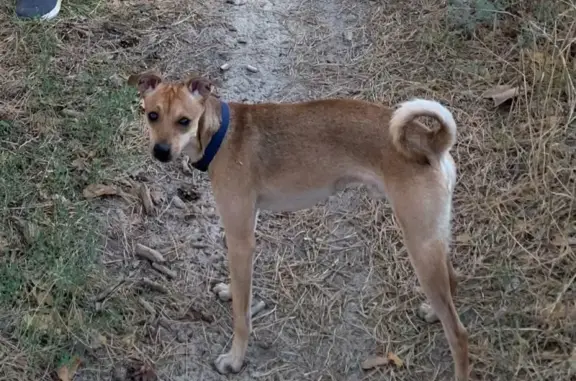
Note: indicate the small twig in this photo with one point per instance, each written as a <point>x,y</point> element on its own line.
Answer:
<point>148,253</point>
<point>164,322</point>
<point>164,270</point>
<point>257,308</point>
<point>107,291</point>
<point>563,292</point>
<point>154,286</point>
<point>144,194</point>
<point>147,306</point>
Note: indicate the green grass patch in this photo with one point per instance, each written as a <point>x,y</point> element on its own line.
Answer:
<point>74,130</point>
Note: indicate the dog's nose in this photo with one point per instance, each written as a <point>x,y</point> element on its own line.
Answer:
<point>162,152</point>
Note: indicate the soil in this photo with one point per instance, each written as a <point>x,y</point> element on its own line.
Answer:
<point>313,269</point>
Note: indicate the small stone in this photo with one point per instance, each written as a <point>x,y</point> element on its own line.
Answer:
<point>225,67</point>
<point>251,69</point>
<point>182,336</point>
<point>374,362</point>
<point>117,80</point>
<point>242,40</point>
<point>264,344</point>
<point>177,201</point>
<point>186,165</point>
<point>223,291</point>
<point>348,35</point>
<point>513,285</point>
<point>236,2</point>
<point>257,308</point>
<point>118,373</point>
<point>71,113</point>
<point>426,313</point>
<point>157,197</point>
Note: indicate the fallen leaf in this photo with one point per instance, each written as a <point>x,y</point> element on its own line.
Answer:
<point>463,238</point>
<point>39,321</point>
<point>67,371</point>
<point>572,359</point>
<point>552,121</point>
<point>188,194</point>
<point>71,113</point>
<point>195,314</point>
<point>140,372</point>
<point>559,311</point>
<point>561,240</point>
<point>157,197</point>
<point>129,340</point>
<point>99,190</point>
<point>148,253</point>
<point>144,194</point>
<point>3,243</point>
<point>374,362</point>
<point>501,94</point>
<point>98,340</point>
<point>393,358</point>
<point>43,298</point>
<point>537,57</point>
<point>80,163</point>
<point>28,230</point>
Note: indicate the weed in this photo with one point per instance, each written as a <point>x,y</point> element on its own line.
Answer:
<point>468,15</point>
<point>51,235</point>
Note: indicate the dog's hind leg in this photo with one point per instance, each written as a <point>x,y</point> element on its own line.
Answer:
<point>425,310</point>
<point>423,213</point>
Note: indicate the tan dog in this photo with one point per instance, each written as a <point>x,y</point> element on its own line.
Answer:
<point>286,157</point>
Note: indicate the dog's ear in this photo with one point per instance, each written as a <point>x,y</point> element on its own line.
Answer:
<point>145,82</point>
<point>200,87</point>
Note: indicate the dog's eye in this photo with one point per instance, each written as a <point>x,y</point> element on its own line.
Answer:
<point>152,116</point>
<point>184,122</point>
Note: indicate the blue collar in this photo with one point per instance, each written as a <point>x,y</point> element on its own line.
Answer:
<point>214,144</point>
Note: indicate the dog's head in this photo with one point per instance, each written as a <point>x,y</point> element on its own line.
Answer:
<point>173,112</point>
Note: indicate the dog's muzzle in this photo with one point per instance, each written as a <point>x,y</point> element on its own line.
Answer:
<point>162,152</point>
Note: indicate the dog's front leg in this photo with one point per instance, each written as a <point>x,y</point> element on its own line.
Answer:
<point>239,223</point>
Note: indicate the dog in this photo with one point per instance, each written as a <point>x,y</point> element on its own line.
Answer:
<point>290,156</point>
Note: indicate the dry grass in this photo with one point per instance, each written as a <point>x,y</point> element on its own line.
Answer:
<point>514,221</point>
<point>514,206</point>
<point>336,278</point>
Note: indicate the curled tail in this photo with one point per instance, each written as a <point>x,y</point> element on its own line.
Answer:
<point>416,141</point>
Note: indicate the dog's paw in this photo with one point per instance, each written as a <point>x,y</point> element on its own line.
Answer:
<point>229,363</point>
<point>427,313</point>
<point>223,291</point>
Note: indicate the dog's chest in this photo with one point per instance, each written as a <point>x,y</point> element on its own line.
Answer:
<point>290,200</point>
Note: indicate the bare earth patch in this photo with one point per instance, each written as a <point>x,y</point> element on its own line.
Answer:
<point>111,257</point>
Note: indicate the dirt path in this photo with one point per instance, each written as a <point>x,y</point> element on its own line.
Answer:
<point>312,327</point>
<point>261,40</point>
<point>313,268</point>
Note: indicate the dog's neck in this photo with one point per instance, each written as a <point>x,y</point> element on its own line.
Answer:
<point>209,122</point>
<point>208,129</point>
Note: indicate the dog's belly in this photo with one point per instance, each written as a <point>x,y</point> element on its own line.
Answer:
<point>286,201</point>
